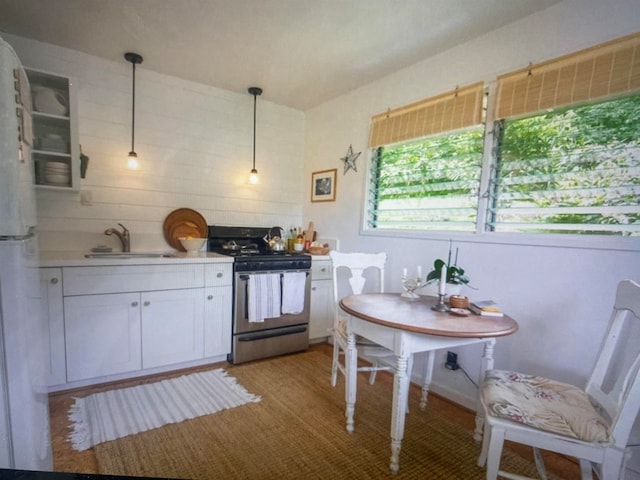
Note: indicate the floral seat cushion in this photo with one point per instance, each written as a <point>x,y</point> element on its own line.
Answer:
<point>544,404</point>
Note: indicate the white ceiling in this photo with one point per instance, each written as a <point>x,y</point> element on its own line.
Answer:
<point>300,52</point>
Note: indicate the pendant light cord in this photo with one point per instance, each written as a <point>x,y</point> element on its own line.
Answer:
<point>254,129</point>
<point>255,91</point>
<point>134,59</point>
<point>133,108</point>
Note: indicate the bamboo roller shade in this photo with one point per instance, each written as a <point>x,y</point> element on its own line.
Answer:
<point>606,70</point>
<point>456,109</point>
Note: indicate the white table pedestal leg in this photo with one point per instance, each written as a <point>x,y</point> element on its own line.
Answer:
<point>428,375</point>
<point>399,410</point>
<point>485,364</point>
<point>351,376</point>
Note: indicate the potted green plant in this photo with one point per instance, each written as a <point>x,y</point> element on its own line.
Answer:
<point>455,274</point>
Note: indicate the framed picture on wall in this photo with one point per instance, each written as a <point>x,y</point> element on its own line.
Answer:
<point>323,185</point>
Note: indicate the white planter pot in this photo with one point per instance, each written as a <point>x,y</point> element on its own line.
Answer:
<point>431,289</point>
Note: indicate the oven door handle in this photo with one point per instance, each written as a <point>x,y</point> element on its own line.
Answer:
<point>246,276</point>
<point>251,337</point>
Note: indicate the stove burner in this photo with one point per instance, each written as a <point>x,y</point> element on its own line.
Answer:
<point>250,251</point>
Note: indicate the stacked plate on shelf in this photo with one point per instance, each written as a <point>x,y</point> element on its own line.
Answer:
<point>57,173</point>
<point>53,143</point>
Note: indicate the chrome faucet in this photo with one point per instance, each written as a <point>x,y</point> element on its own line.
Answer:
<point>123,236</point>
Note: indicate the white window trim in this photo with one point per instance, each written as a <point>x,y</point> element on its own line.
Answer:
<point>590,242</point>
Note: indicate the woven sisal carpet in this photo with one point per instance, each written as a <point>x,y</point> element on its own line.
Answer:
<point>298,431</point>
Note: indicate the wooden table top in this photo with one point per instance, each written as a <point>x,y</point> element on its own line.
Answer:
<point>392,310</point>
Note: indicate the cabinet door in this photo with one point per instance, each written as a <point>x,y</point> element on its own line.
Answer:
<point>217,321</point>
<point>321,313</point>
<point>172,326</point>
<point>102,334</point>
<point>53,315</point>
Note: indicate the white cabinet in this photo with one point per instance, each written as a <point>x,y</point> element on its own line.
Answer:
<point>125,319</point>
<point>53,314</point>
<point>172,326</point>
<point>217,309</point>
<point>217,325</point>
<point>322,308</point>
<point>102,335</point>
<point>55,152</point>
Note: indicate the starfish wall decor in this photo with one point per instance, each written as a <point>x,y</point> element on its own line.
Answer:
<point>350,160</point>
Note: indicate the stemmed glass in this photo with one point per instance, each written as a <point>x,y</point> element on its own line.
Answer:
<point>410,285</point>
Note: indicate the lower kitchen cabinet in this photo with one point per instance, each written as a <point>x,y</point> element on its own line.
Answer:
<point>322,308</point>
<point>119,321</point>
<point>102,334</point>
<point>172,326</point>
<point>53,311</point>
<point>217,320</point>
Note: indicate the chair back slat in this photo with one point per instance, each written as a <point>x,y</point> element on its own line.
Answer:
<point>615,381</point>
<point>357,263</point>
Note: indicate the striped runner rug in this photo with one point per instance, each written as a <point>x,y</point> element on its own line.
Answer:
<point>113,414</point>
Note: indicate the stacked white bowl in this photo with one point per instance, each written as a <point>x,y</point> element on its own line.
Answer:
<point>57,173</point>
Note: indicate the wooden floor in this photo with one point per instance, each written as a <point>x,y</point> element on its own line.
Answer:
<point>65,459</point>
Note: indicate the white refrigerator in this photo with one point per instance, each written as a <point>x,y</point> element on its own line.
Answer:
<point>25,441</point>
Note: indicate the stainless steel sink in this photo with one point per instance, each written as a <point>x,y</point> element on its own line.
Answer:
<point>121,255</point>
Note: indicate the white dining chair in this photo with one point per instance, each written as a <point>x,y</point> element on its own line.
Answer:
<point>351,273</point>
<point>592,424</point>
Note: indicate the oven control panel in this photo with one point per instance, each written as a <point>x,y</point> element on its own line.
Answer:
<point>254,264</point>
<point>273,263</point>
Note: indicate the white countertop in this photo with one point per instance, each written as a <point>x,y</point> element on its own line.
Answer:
<point>78,259</point>
<point>320,257</point>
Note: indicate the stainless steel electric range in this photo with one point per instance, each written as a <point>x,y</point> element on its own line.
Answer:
<point>274,335</point>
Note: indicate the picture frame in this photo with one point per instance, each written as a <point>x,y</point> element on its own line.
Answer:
<point>323,185</point>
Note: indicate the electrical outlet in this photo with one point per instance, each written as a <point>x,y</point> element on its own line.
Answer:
<point>452,361</point>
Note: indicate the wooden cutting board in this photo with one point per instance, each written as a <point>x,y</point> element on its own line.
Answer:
<point>309,233</point>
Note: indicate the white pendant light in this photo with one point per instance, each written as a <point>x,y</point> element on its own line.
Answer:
<point>132,161</point>
<point>253,176</point>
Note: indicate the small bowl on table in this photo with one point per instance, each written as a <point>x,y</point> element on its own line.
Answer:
<point>192,245</point>
<point>458,301</point>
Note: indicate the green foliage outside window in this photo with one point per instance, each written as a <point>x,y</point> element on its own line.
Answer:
<point>429,184</point>
<point>568,171</point>
<point>571,171</point>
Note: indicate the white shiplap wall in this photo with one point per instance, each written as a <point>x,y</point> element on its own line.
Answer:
<point>194,143</point>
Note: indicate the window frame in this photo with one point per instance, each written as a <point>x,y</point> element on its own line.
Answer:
<point>480,235</point>
<point>602,59</point>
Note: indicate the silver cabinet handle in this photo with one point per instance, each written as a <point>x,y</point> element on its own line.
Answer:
<point>323,269</point>
<point>219,275</point>
<point>146,304</point>
<point>313,288</point>
<point>209,297</point>
<point>134,304</point>
<point>54,281</point>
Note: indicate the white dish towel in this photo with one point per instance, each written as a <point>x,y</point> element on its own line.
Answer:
<point>293,285</point>
<point>264,296</point>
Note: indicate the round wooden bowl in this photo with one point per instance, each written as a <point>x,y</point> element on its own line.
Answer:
<point>458,301</point>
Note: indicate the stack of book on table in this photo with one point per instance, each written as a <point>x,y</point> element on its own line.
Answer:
<point>487,308</point>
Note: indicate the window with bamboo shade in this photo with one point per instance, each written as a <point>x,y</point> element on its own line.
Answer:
<point>565,152</point>
<point>568,145</point>
<point>459,108</point>
<point>605,71</point>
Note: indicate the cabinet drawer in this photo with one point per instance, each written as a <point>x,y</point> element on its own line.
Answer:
<point>320,269</point>
<point>218,274</point>
<point>136,278</point>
